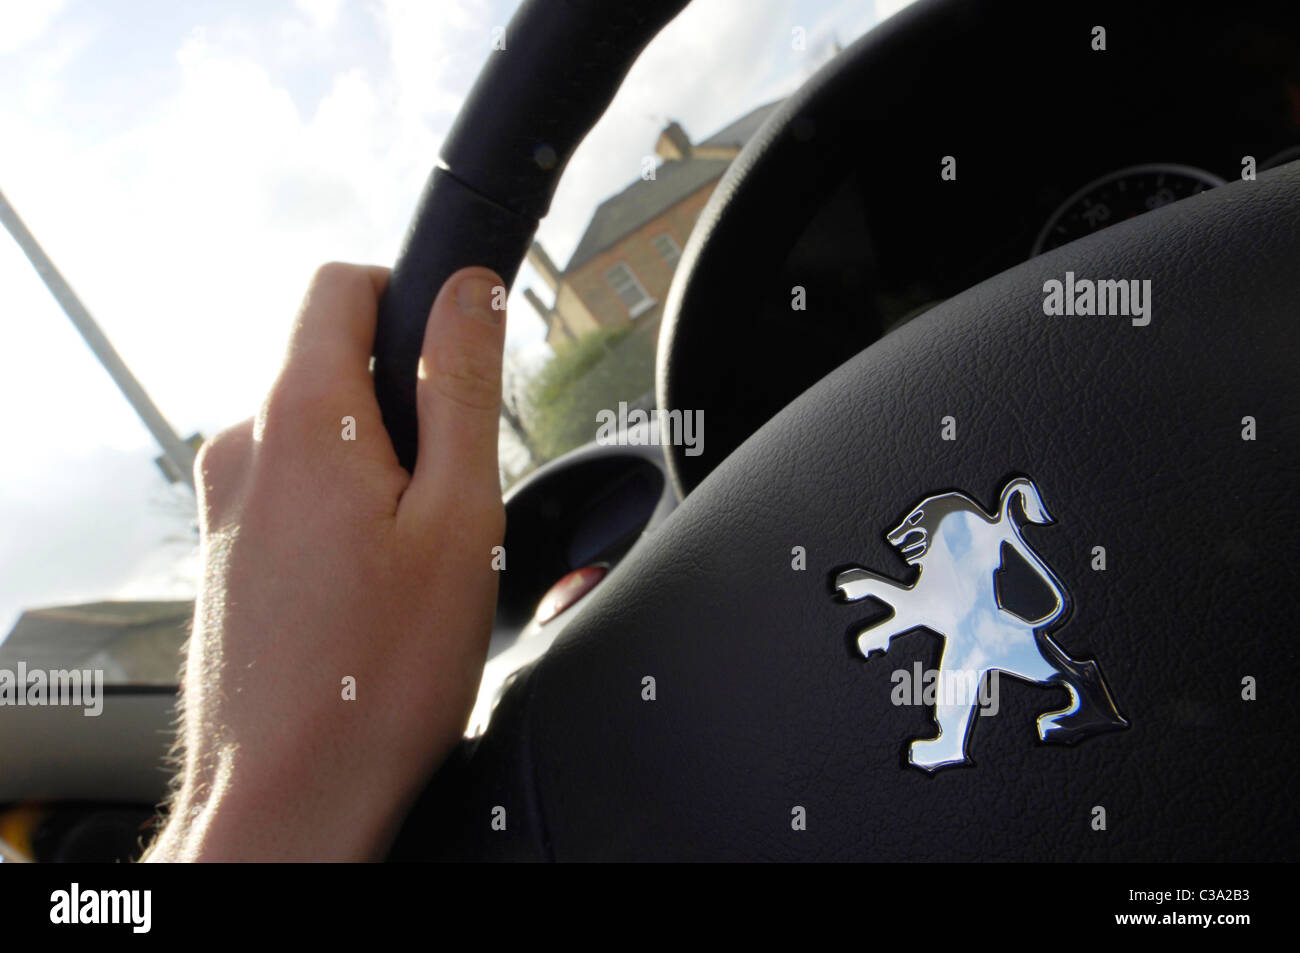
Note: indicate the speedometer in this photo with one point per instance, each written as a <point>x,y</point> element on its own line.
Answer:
<point>1119,196</point>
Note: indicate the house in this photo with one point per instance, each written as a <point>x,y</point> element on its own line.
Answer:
<point>621,269</point>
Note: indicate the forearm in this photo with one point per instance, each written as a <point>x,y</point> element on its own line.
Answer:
<point>240,818</point>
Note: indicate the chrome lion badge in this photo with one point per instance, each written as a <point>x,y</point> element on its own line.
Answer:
<point>959,551</point>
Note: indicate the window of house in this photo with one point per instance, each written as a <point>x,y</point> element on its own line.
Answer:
<point>632,292</point>
<point>667,249</point>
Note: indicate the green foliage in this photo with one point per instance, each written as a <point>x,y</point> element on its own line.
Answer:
<point>591,374</point>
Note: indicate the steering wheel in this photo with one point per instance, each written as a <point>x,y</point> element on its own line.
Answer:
<point>1089,519</point>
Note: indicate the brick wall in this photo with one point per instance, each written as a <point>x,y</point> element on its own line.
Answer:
<point>636,250</point>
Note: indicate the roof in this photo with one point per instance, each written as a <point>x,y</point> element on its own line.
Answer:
<point>646,199</point>
<point>134,642</point>
<point>740,131</point>
<point>643,201</point>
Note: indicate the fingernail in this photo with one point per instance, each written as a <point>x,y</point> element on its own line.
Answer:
<point>474,298</point>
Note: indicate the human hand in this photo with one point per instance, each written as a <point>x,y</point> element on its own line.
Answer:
<point>325,560</point>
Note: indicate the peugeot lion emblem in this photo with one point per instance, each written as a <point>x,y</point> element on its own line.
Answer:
<point>957,550</point>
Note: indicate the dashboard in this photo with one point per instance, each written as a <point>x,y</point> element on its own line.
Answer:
<point>1071,197</point>
<point>916,167</point>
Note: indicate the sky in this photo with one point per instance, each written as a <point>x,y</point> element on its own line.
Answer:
<point>188,163</point>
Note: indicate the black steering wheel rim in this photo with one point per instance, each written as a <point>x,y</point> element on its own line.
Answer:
<point>763,705</point>
<point>499,167</point>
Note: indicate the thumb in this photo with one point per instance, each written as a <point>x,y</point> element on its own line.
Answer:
<point>458,393</point>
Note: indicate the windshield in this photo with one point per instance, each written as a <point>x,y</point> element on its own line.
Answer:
<point>186,167</point>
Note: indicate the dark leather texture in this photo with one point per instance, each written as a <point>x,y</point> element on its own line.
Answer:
<point>1133,436</point>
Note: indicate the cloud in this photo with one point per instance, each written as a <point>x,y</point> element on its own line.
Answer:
<point>192,234</point>
<point>436,50</point>
<point>24,21</point>
<point>887,8</point>
<point>190,229</point>
<point>322,13</point>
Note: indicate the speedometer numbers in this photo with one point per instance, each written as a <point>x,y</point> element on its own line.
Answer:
<point>1118,196</point>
